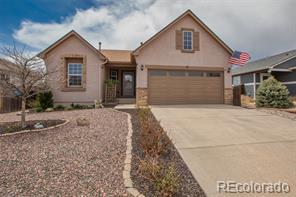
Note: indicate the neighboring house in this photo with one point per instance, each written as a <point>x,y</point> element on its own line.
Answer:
<point>184,63</point>
<point>281,66</point>
<point>6,73</point>
<point>8,100</point>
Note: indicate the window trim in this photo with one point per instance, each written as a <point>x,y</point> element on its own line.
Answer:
<point>192,34</point>
<point>68,76</point>
<point>264,75</point>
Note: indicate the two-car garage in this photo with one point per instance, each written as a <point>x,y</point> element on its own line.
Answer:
<point>185,87</point>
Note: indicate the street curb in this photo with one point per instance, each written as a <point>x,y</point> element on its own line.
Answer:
<point>36,130</point>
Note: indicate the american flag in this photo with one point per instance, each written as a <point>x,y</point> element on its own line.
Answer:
<point>239,58</point>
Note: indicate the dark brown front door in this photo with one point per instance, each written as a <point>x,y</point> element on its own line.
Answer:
<point>128,84</point>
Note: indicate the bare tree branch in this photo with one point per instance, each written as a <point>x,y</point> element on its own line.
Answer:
<point>28,74</point>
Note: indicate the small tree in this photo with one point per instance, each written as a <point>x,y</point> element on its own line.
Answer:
<point>29,75</point>
<point>271,93</point>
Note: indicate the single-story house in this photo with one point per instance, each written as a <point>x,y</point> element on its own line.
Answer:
<point>282,66</point>
<point>184,63</point>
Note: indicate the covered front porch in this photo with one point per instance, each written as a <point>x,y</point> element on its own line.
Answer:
<point>121,67</point>
<point>126,77</point>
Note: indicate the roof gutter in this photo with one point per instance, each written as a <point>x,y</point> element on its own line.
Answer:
<point>102,66</point>
<point>279,70</point>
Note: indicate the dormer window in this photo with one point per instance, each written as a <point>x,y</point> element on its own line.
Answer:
<point>188,40</point>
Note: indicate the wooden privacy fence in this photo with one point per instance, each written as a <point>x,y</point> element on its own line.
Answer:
<point>237,92</point>
<point>10,104</point>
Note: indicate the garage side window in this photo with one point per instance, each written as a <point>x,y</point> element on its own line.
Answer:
<point>177,73</point>
<point>157,73</point>
<point>195,74</point>
<point>213,74</point>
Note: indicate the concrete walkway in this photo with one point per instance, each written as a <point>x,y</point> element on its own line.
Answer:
<point>226,143</point>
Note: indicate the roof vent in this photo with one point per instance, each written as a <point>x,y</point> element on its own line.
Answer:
<point>100,46</point>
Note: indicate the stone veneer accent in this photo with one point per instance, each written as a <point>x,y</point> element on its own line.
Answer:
<point>63,69</point>
<point>142,97</point>
<point>228,96</point>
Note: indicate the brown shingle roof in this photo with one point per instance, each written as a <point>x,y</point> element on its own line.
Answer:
<point>118,56</point>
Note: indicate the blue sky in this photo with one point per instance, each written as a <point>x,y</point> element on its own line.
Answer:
<point>261,28</point>
<point>13,12</point>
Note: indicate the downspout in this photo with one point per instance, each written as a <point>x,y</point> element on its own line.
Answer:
<point>101,67</point>
<point>254,76</point>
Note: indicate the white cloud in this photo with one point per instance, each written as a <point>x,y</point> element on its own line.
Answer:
<point>261,27</point>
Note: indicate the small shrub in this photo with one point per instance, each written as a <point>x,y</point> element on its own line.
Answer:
<point>111,82</point>
<point>149,168</point>
<point>39,109</point>
<point>247,101</point>
<point>271,93</point>
<point>69,108</point>
<point>78,106</point>
<point>45,100</point>
<point>153,138</point>
<point>49,110</point>
<point>59,108</point>
<point>167,184</point>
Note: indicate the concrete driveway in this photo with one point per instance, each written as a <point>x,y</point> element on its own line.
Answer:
<point>226,143</point>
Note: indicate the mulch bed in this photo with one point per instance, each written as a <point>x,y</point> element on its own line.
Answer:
<point>187,185</point>
<point>12,127</point>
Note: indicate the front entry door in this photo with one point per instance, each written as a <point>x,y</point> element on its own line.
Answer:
<point>128,84</point>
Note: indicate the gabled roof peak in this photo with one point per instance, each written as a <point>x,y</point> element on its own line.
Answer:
<point>199,21</point>
<point>66,36</point>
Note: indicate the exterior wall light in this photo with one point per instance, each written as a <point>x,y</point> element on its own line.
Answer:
<point>142,67</point>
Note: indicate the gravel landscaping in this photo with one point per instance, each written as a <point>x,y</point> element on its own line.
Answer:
<point>280,112</point>
<point>66,161</point>
<point>187,185</point>
<point>11,127</point>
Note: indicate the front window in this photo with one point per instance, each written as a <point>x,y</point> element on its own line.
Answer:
<point>74,75</point>
<point>113,74</point>
<point>187,40</point>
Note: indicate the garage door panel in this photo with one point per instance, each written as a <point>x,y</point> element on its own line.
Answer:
<point>173,89</point>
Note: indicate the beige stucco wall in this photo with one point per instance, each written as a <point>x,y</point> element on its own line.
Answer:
<point>94,72</point>
<point>162,51</point>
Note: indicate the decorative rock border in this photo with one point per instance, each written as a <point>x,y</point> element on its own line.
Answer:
<point>128,183</point>
<point>36,130</point>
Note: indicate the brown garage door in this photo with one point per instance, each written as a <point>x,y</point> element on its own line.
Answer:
<point>185,87</point>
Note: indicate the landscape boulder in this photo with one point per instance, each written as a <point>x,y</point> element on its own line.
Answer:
<point>82,121</point>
